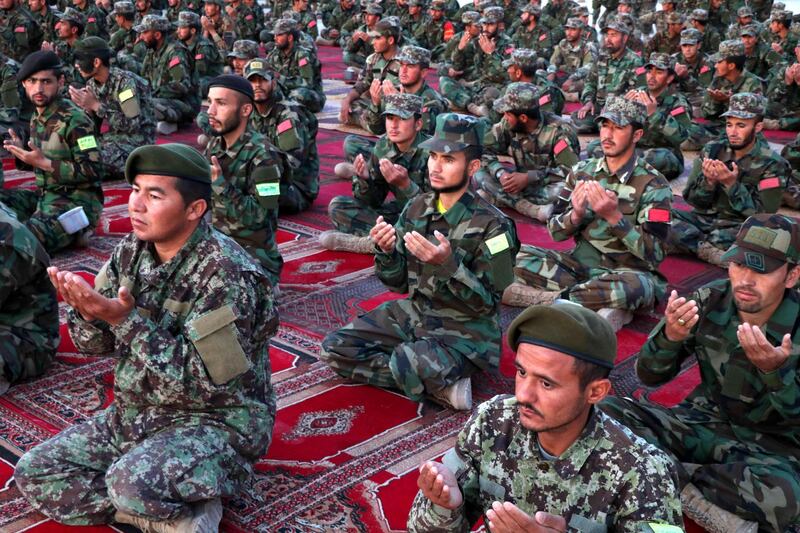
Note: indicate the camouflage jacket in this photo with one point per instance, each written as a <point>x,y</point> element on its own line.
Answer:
<point>194,351</point>
<point>463,294</point>
<point>574,60</point>
<point>540,39</point>
<point>169,71</point>
<point>782,96</point>
<point>762,407</point>
<point>547,154</point>
<point>377,68</point>
<point>95,21</point>
<point>719,18</point>
<point>245,196</point>
<point>353,46</point>
<point>298,68</point>
<point>435,33</point>
<point>607,480</point>
<point>245,23</point>
<point>47,23</point>
<point>20,33</point>
<point>758,189</point>
<point>223,27</point>
<point>663,43</point>
<point>615,77</point>
<point>669,125</point>
<point>699,75</point>
<point>659,18</point>
<point>125,103</point>
<point>11,96</point>
<point>746,83</point>
<point>559,12</point>
<point>337,18</point>
<point>205,58</point>
<point>762,61</point>
<point>636,242</point>
<point>711,40</point>
<point>433,103</point>
<point>480,67</point>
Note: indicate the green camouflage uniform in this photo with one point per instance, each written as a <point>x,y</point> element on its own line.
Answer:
<point>244,22</point>
<point>14,105</point>
<point>608,479</point>
<point>46,23</point>
<point>436,34</point>
<point>193,404</point>
<point>573,62</point>
<point>783,100</point>
<point>662,42</point>
<point>791,152</point>
<point>659,18</point>
<point>245,196</point>
<point>747,82</point>
<point>700,73</point>
<point>377,67</point>
<point>337,18</point>
<point>763,60</point>
<point>95,20</point>
<point>129,53</point>
<point>205,58</point>
<point>541,39</point>
<point>20,34</point>
<point>65,134</point>
<point>28,307</point>
<point>300,72</point>
<point>356,52</point>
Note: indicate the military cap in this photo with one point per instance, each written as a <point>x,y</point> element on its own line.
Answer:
<point>749,29</point>
<point>628,20</point>
<point>625,3</point>
<point>220,3</point>
<point>258,67</point>
<point>691,36</point>
<point>389,26</point>
<point>173,159</point>
<point>414,55</point>
<point>438,5</point>
<point>744,11</point>
<point>745,105</point>
<point>234,83</point>
<point>532,9</point>
<point>38,61</point>
<point>492,15</point>
<point>403,105</point>
<point>778,5</point>
<point>153,22</point>
<point>699,14</point>
<point>374,9</point>
<point>470,17</point>
<point>668,2</point>
<point>766,242</point>
<point>574,22</point>
<point>614,22</point>
<point>74,16</point>
<point>579,11</point>
<point>781,15</point>
<point>661,61</point>
<point>283,25</point>
<point>519,96</point>
<point>566,327</point>
<point>623,112</point>
<point>91,47</point>
<point>454,132</point>
<point>415,3</point>
<point>188,18</point>
<point>483,4</point>
<point>521,57</point>
<point>729,48</point>
<point>291,15</point>
<point>123,8</point>
<point>674,18</point>
<point>244,49</point>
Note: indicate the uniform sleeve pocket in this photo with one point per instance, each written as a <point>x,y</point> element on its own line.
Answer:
<point>215,338</point>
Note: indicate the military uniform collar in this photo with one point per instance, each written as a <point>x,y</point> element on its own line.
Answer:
<point>50,110</point>
<point>625,171</point>
<point>154,273</point>
<point>233,150</point>
<point>570,463</point>
<point>453,215</point>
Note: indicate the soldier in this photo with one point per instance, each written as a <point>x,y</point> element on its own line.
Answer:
<point>68,30</point>
<point>617,208</point>
<point>783,41</point>
<point>299,70</point>
<point>166,66</point>
<point>548,435</point>
<point>719,17</point>
<point>416,22</point>
<point>693,71</point>
<point>438,33</point>
<point>543,147</point>
<point>524,66</point>
<point>193,405</point>
<point>217,25</point>
<point>120,98</point>
<point>94,16</point>
<point>783,95</point>
<point>335,20</point>
<point>397,164</point>
<point>744,17</point>
<point>760,59</point>
<point>207,61</point>
<point>242,52</point>
<point>589,31</point>
<point>734,440</point>
<point>572,58</point>
<point>20,33</point>
<point>711,39</point>
<point>733,178</point>
<point>244,20</point>
<point>453,254</point>
<point>45,18</point>
<point>470,21</point>
<point>293,130</point>
<point>668,41</point>
<point>307,20</point>
<point>247,174</point>
<point>29,317</point>
<point>125,41</point>
<point>64,154</point>
<point>356,44</point>
<point>559,10</point>
<point>617,70</point>
<point>791,152</point>
<point>532,35</point>
<point>143,8</point>
<point>15,109</point>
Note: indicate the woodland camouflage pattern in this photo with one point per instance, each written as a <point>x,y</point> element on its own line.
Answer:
<point>169,72</point>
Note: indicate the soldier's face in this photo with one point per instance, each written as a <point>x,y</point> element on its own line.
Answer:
<point>211,10</point>
<point>79,3</point>
<point>573,34</point>
<point>615,139</point>
<point>624,8</point>
<point>742,132</point>
<point>490,29</point>
<point>43,87</point>
<point>262,89</point>
<point>225,110</point>
<point>657,79</point>
<point>410,74</point>
<point>380,43</point>
<point>474,30</point>
<point>689,51</point>
<point>173,3</point>
<point>723,67</point>
<point>150,39</point>
<point>282,40</point>
<point>64,29</point>
<point>754,292</point>
<point>372,19</point>
<point>514,73</point>
<point>414,10</point>
<point>158,213</point>
<point>436,14</point>
<point>141,5</point>
<point>749,41</point>
<point>674,29</point>
<point>614,40</point>
<point>6,4</point>
<point>449,173</point>
<point>402,130</point>
<point>184,33</point>
<point>35,5</point>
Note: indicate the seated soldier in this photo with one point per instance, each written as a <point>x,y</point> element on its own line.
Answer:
<point>355,41</point>
<point>242,52</point>
<point>398,165</point>
<point>693,72</point>
<point>617,208</point>
<point>188,315</point>
<point>533,461</point>
<point>791,152</point>
<point>207,61</point>
<point>453,253</point>
<point>733,178</point>
<point>760,59</point>
<point>523,65</point>
<point>783,95</point>
<point>667,41</point>
<point>28,307</point>
<point>736,435</point>
<point>299,68</point>
<point>572,58</point>
<point>543,146</point>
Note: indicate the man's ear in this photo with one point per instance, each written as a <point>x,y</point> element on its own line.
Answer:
<point>597,390</point>
<point>473,166</point>
<point>792,276</point>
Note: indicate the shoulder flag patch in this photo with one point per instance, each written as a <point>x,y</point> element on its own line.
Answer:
<point>509,50</point>
<point>91,19</point>
<point>659,215</point>
<point>677,111</point>
<point>303,62</point>
<point>542,37</point>
<point>175,61</point>
<point>198,57</point>
<point>125,95</point>
<point>249,17</point>
<point>544,99</point>
<point>286,125</point>
<point>769,183</point>
<point>497,244</point>
<point>560,147</point>
<point>312,23</point>
<point>704,69</point>
<point>87,143</point>
<point>19,29</point>
<point>640,71</point>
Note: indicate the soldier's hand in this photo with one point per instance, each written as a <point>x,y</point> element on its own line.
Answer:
<point>719,96</point>
<point>514,182</point>
<point>394,174</point>
<point>487,45</point>
<point>439,485</point>
<point>383,235</point>
<point>603,202</point>
<point>681,70</point>
<point>216,169</point>
<point>466,37</point>
<point>33,157</point>
<point>58,279</point>
<point>453,73</point>
<point>778,48</point>
<point>425,251</point>
<point>506,517</point>
<point>206,23</point>
<point>788,74</point>
<point>710,170</point>
<point>47,46</point>
<point>680,317</point>
<point>84,98</point>
<point>760,351</point>
<point>344,112</point>
<point>13,139</point>
<point>578,201</point>
<point>388,87</point>
<point>90,303</point>
<point>649,102</point>
<point>727,177</point>
<point>587,109</point>
<point>375,91</point>
<point>360,165</point>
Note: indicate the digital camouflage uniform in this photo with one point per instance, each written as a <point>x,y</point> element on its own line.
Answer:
<point>336,19</point>
<point>28,307</point>
<point>130,53</point>
<point>64,49</point>
<point>205,58</point>
<point>19,32</point>
<point>573,62</point>
<point>193,404</point>
<point>763,59</point>
<point>300,71</point>
<point>437,33</point>
<point>448,327</point>
<point>610,266</point>
<point>245,196</point>
<point>607,480</point>
<point>718,212</point>
<point>244,22</point>
<point>791,152</point>
<point>46,22</point>
<point>546,154</point>
<point>700,73</point>
<point>356,51</point>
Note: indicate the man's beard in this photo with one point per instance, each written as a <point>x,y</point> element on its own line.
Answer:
<point>227,128</point>
<point>151,44</point>
<point>746,142</point>
<point>282,46</point>
<point>453,188</point>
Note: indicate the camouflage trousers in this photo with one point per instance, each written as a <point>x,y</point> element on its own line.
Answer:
<point>689,229</point>
<point>461,93</point>
<point>173,110</point>
<point>594,288</point>
<point>735,470</point>
<point>390,347</point>
<point>662,159</point>
<point>353,216</point>
<point>114,153</point>
<point>312,99</point>
<point>358,113</point>
<point>355,145</point>
<point>352,59</point>
<point>19,358</point>
<point>86,473</point>
<point>537,193</point>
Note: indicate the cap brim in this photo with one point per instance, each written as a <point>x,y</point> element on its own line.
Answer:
<point>755,261</point>
<point>714,58</point>
<point>688,41</point>
<point>402,114</point>
<point>739,114</point>
<point>617,119</point>
<point>501,106</point>
<point>442,146</point>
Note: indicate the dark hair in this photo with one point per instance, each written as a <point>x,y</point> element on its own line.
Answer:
<point>191,191</point>
<point>74,24</point>
<point>532,113</point>
<point>127,16</point>
<point>473,152</point>
<point>529,71</point>
<point>738,61</point>
<point>588,372</point>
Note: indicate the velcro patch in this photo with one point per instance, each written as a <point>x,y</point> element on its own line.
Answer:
<point>659,215</point>
<point>91,19</point>
<point>640,71</point>
<point>663,528</point>
<point>769,183</point>
<point>497,244</point>
<point>284,126</point>
<point>677,111</point>
<point>127,94</point>
<point>763,237</point>
<point>87,143</point>
<point>754,261</point>
<point>268,189</point>
<point>560,147</point>
<point>542,37</point>
<point>175,61</point>
<point>249,17</point>
<point>312,23</point>
<point>544,99</point>
<point>704,69</point>
<point>19,29</point>
<point>198,57</point>
<point>303,62</point>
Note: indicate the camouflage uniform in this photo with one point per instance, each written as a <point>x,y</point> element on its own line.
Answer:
<point>608,479</point>
<point>540,38</point>
<point>205,58</point>
<point>356,52</point>
<point>95,20</point>
<point>545,154</point>
<point>65,134</point>
<point>300,71</point>
<point>130,53</point>
<point>659,18</point>
<point>791,152</point>
<point>662,41</point>
<point>337,18</point>
<point>573,62</point>
<point>28,307</point>
<point>718,211</point>
<point>448,327</point>
<point>223,27</point>
<point>12,99</point>
<point>46,22</point>
<point>437,33</point>
<point>763,59</point>
<point>19,32</point>
<point>245,196</point>
<point>783,100</point>
<point>700,73</point>
<point>193,404</point>
<point>711,37</point>
<point>244,22</point>
<point>610,266</point>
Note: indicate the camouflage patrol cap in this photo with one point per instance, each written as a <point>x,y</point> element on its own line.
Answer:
<point>470,17</point>
<point>91,47</point>
<point>674,18</point>
<point>402,105</point>
<point>532,9</point>
<point>746,105</point>
<point>414,55</point>
<point>483,4</point>
<point>220,3</point>
<point>291,15</point>
<point>188,19</point>
<point>778,5</point>
<point>623,112</point>
<point>519,96</point>
<point>691,36</point>
<point>729,48</point>
<point>153,22</point>
<point>244,49</point>
<point>749,29</point>
<point>781,15</point>
<point>123,8</point>
<point>744,11</point>
<point>173,159</point>
<point>614,22</point>
<point>415,3</point>
<point>492,15</point>
<point>661,61</point>
<point>574,22</point>
<point>766,242</point>
<point>258,67</point>
<point>454,133</point>
<point>438,5</point>
<point>389,26</point>
<point>283,25</point>
<point>521,57</point>
<point>73,16</point>
<point>625,2</point>
<point>580,11</point>
<point>566,327</point>
<point>374,9</point>
<point>699,14</point>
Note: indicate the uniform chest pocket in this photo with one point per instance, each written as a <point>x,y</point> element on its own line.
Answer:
<point>216,340</point>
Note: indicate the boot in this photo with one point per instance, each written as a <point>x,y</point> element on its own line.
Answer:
<point>707,515</point>
<point>344,170</point>
<point>166,128</point>
<point>478,110</point>
<point>457,396</point>
<point>772,124</point>
<point>616,317</point>
<point>711,254</point>
<point>538,212</point>
<point>202,140</point>
<point>338,240</point>
<point>204,518</point>
<point>521,295</point>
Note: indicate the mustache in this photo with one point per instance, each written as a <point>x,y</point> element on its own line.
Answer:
<point>532,408</point>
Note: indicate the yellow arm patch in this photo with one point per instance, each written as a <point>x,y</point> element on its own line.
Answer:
<point>87,143</point>
<point>127,94</point>
<point>497,244</point>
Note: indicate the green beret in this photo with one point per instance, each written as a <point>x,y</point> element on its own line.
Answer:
<point>568,328</point>
<point>177,160</point>
<point>91,47</point>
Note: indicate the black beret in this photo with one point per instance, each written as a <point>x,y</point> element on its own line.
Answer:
<point>177,160</point>
<point>38,61</point>
<point>568,328</point>
<point>233,82</point>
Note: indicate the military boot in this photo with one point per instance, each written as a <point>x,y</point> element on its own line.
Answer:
<point>457,396</point>
<point>711,517</point>
<point>521,295</point>
<point>711,254</point>
<point>338,240</point>
<point>616,317</point>
<point>204,518</point>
